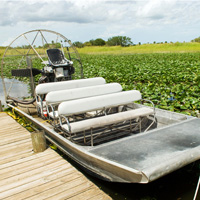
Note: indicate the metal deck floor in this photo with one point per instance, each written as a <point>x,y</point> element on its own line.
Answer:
<point>156,152</point>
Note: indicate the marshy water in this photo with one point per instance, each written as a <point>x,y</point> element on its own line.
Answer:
<point>18,89</point>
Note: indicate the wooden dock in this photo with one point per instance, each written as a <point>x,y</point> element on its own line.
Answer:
<point>28,175</point>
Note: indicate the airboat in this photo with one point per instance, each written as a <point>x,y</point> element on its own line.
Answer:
<point>111,133</point>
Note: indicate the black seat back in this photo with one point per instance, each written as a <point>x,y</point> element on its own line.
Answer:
<point>56,57</point>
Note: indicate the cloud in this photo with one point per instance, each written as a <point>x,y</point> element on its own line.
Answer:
<point>13,12</point>
<point>100,18</point>
<point>97,11</point>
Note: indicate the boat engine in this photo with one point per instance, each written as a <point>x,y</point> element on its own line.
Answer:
<point>57,68</point>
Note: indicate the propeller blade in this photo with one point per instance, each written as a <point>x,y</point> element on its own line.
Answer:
<point>25,72</point>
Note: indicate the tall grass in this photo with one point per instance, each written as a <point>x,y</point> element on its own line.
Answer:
<point>145,48</point>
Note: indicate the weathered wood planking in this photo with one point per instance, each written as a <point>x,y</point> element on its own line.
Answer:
<point>46,175</point>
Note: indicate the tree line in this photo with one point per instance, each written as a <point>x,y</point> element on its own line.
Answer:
<point>113,41</point>
<point>196,40</point>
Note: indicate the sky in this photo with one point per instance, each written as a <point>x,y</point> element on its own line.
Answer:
<point>144,21</point>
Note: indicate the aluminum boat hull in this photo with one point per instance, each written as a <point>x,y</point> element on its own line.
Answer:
<point>139,158</point>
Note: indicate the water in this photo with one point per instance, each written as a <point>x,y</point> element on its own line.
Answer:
<point>18,89</point>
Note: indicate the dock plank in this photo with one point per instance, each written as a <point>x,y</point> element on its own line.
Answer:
<point>21,155</point>
<point>32,157</point>
<point>16,148</point>
<point>42,183</point>
<point>46,175</point>
<point>26,167</point>
<point>29,176</point>
<point>59,191</point>
<point>90,193</point>
<point>11,146</point>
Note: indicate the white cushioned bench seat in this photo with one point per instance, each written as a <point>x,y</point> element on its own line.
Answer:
<point>79,106</point>
<point>107,120</point>
<point>45,88</point>
<point>55,97</point>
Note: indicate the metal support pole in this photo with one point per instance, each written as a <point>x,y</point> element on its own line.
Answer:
<point>92,143</point>
<point>32,80</point>
<point>197,188</point>
<point>84,137</point>
<point>140,124</point>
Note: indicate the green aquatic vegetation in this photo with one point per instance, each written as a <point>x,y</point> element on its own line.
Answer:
<point>171,81</point>
<point>21,119</point>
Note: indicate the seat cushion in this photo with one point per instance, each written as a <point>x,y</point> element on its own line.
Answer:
<point>44,88</point>
<point>107,120</point>
<point>55,97</point>
<point>98,102</point>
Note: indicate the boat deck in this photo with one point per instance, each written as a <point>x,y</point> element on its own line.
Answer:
<point>157,152</point>
<point>28,175</point>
